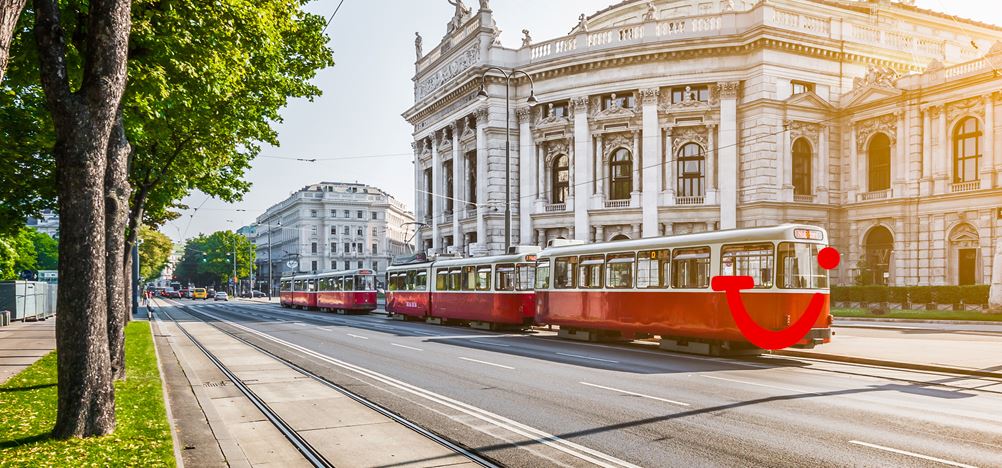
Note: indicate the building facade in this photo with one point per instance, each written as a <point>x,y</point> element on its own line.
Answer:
<point>874,119</point>
<point>331,226</point>
<point>47,222</point>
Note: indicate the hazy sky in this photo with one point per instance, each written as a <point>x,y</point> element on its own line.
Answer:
<point>370,86</point>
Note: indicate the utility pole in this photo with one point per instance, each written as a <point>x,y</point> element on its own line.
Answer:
<point>234,267</point>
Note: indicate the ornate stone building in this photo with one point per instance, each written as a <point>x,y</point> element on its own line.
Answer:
<point>874,119</point>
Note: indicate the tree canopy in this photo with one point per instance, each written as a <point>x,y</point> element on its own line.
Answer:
<point>154,252</point>
<point>27,250</point>
<point>208,260</point>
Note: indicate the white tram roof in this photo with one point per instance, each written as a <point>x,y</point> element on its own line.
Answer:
<point>364,271</point>
<point>758,234</point>
<point>522,257</point>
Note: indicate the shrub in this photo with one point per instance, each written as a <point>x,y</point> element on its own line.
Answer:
<point>946,294</point>
<point>897,295</point>
<point>975,294</point>
<point>920,294</point>
<point>874,293</point>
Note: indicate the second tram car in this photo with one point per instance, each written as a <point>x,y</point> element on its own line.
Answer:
<point>661,286</point>
<point>348,291</point>
<point>486,292</point>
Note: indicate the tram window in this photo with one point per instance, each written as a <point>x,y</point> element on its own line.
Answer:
<point>421,281</point>
<point>505,278</point>
<point>526,273</point>
<point>590,272</point>
<point>484,278</point>
<point>543,275</point>
<point>298,285</point>
<point>312,284</point>
<point>442,280</point>
<point>393,282</point>
<point>470,278</point>
<point>455,279</point>
<point>755,260</point>
<point>691,268</point>
<point>348,283</point>
<point>322,284</point>
<point>652,269</point>
<point>619,271</point>
<point>366,282</point>
<point>799,268</point>
<point>564,271</point>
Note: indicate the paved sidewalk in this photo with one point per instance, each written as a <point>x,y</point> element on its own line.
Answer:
<point>915,348</point>
<point>23,343</point>
<point>906,324</point>
<point>217,425</point>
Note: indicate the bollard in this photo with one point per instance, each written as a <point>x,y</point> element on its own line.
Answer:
<point>4,318</point>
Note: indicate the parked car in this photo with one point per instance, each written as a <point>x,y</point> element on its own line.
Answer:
<point>254,293</point>
<point>221,296</point>
<point>173,294</point>
<point>212,292</point>
<point>199,293</point>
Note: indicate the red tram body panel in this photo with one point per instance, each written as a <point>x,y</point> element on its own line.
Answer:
<point>502,308</point>
<point>407,291</point>
<point>661,286</point>
<point>353,290</point>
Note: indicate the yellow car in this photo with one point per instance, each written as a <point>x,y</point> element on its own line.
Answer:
<point>200,293</point>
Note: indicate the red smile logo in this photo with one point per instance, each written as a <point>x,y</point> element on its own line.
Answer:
<point>764,338</point>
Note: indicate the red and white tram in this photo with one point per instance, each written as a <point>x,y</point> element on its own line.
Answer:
<point>661,286</point>
<point>348,291</point>
<point>486,292</point>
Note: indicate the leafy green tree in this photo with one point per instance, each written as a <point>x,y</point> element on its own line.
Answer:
<point>208,260</point>
<point>46,250</point>
<point>154,251</point>
<point>8,257</point>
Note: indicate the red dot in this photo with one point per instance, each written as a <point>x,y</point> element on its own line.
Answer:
<point>829,258</point>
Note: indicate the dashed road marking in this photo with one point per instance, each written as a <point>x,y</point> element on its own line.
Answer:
<point>487,363</point>
<point>635,394</point>
<point>910,454</point>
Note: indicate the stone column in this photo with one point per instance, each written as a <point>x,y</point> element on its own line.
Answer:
<point>712,158</point>
<point>941,158</point>
<point>989,148</point>
<point>436,192</point>
<point>418,195</point>
<point>637,232</point>
<point>852,181</point>
<point>541,237</point>
<point>482,158</point>
<point>651,162</point>
<point>599,233</point>
<point>526,175</point>
<point>599,171</point>
<point>669,170</point>
<point>900,167</point>
<point>787,163</point>
<point>637,162</point>
<point>925,181</point>
<point>821,181</point>
<point>996,159</point>
<point>582,165</point>
<point>728,162</point>
<point>458,203</point>
<point>540,175</point>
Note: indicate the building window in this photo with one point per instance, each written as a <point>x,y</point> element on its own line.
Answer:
<point>471,179</point>
<point>561,175</point>
<point>375,248</point>
<point>359,264</point>
<point>801,87</point>
<point>333,213</point>
<point>313,229</point>
<point>347,247</point>
<point>375,266</point>
<point>556,109</point>
<point>313,248</point>
<point>375,216</point>
<point>333,264</point>
<point>313,213</point>
<point>879,163</point>
<point>360,214</point>
<point>621,175</point>
<point>619,101</point>
<point>347,213</point>
<point>449,193</point>
<point>690,94</point>
<point>359,232</point>
<point>875,265</point>
<point>347,230</point>
<point>966,150</point>
<point>333,247</point>
<point>802,167</point>
<point>690,170</point>
<point>333,230</point>
<point>314,264</point>
<point>373,232</point>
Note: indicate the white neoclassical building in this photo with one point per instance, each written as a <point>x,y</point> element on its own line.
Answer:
<point>331,226</point>
<point>877,120</point>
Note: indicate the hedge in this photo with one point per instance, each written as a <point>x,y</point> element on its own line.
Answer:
<point>976,294</point>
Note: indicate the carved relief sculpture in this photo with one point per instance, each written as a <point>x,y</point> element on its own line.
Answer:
<point>728,89</point>
<point>880,76</point>
<point>689,134</point>
<point>464,60</point>
<point>886,124</point>
<point>974,106</point>
<point>809,130</point>
<point>652,13</point>
<point>649,95</point>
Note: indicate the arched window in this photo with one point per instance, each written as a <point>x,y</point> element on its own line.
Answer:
<point>878,245</point>
<point>966,150</point>
<point>561,179</point>
<point>620,237</point>
<point>691,171</point>
<point>878,167</point>
<point>802,166</point>
<point>621,175</point>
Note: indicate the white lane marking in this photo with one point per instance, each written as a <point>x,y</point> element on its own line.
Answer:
<point>589,358</point>
<point>635,394</point>
<point>910,454</point>
<point>788,389</point>
<point>490,344</point>
<point>357,336</point>
<point>408,347</point>
<point>487,363</point>
<point>571,448</point>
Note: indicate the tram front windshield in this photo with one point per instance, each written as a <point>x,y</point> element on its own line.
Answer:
<point>798,266</point>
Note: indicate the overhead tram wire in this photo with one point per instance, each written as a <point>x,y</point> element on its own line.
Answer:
<point>332,17</point>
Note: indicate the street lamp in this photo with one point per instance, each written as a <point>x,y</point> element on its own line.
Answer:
<point>532,101</point>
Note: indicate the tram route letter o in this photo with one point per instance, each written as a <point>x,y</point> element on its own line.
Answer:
<point>764,338</point>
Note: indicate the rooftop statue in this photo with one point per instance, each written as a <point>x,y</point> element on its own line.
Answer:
<point>526,38</point>
<point>417,45</point>
<point>462,11</point>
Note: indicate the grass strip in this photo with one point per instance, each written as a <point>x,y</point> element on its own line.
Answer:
<point>142,436</point>
<point>919,315</point>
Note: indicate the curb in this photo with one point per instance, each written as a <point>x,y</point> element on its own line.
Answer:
<point>883,363</point>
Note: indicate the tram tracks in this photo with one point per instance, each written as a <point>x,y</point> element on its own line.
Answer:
<point>309,452</point>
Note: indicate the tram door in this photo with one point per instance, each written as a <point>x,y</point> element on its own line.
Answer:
<point>968,264</point>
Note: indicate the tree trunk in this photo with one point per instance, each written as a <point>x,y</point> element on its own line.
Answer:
<point>116,186</point>
<point>83,121</point>
<point>10,11</point>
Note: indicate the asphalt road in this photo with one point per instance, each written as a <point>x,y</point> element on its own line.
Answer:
<point>532,399</point>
